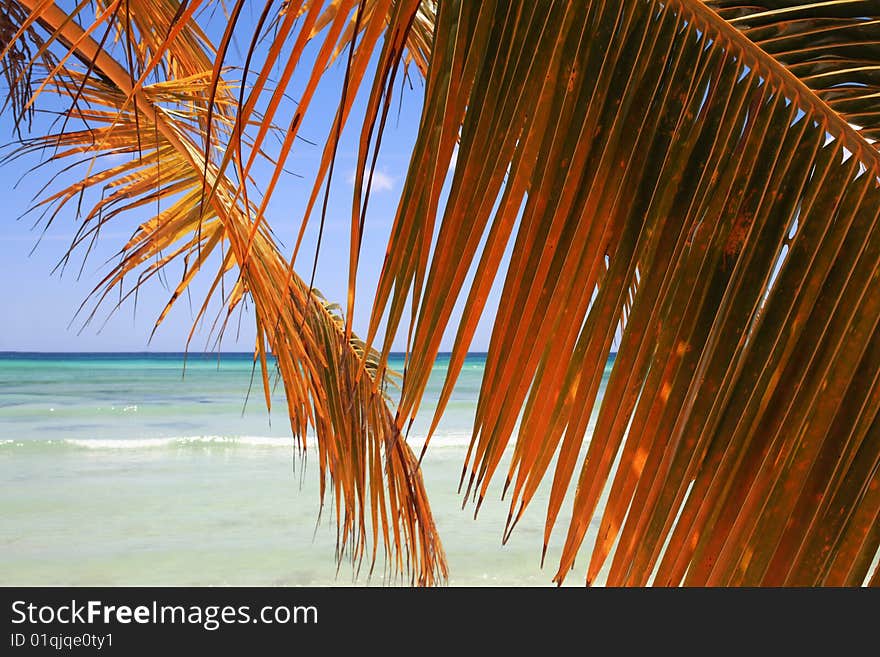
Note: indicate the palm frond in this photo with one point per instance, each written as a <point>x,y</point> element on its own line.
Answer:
<point>692,183</point>
<point>832,47</point>
<point>419,37</point>
<point>663,183</point>
<point>18,39</point>
<point>374,477</point>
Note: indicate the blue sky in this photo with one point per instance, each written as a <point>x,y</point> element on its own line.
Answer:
<point>40,306</point>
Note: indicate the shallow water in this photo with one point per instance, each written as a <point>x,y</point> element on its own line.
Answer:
<point>118,470</point>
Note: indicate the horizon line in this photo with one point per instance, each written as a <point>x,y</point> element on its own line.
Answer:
<point>6,352</point>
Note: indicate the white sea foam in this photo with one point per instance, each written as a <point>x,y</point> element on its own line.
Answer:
<point>133,443</point>
<point>415,442</point>
<point>182,441</point>
<point>266,441</point>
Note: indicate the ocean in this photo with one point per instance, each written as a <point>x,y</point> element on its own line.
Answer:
<point>126,469</point>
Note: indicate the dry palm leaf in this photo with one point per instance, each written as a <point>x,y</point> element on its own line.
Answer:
<point>832,47</point>
<point>374,477</point>
<point>699,186</point>
<point>662,178</point>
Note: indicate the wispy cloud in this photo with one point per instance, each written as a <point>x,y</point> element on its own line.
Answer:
<point>382,182</point>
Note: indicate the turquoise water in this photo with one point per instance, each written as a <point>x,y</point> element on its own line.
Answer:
<point>116,469</point>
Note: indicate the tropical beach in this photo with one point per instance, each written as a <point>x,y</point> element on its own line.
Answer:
<point>619,257</point>
<point>121,469</point>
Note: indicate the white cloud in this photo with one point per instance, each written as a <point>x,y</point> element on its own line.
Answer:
<point>381,182</point>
